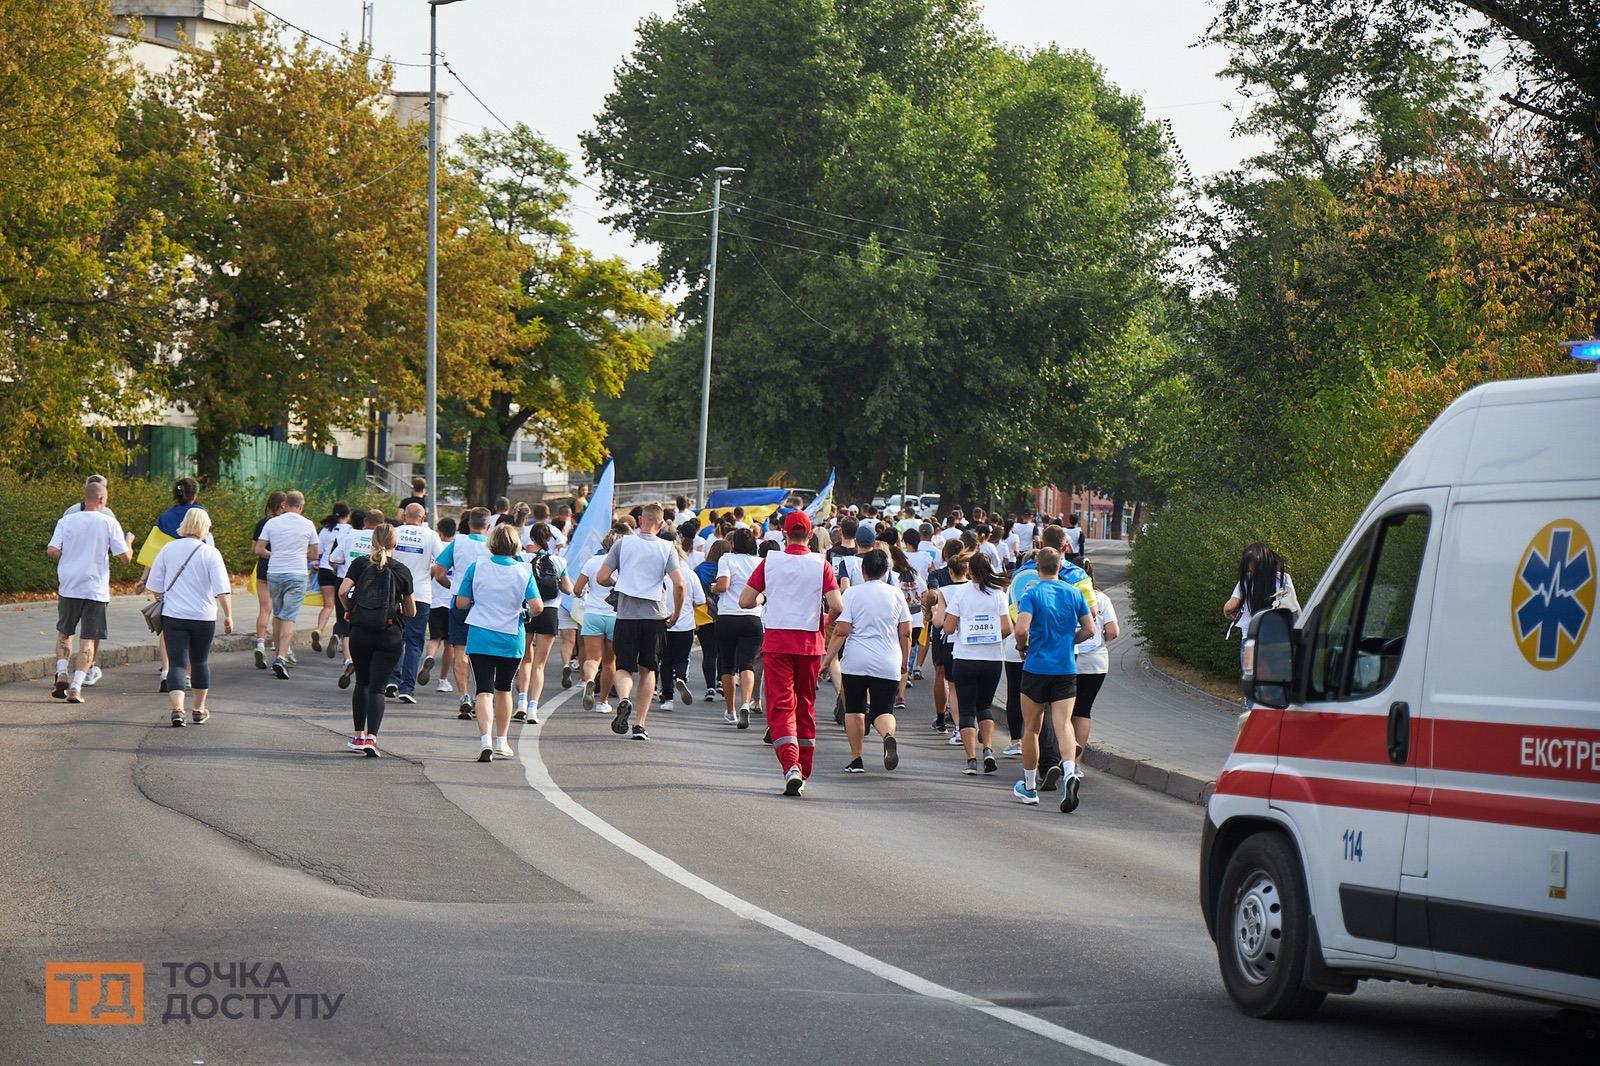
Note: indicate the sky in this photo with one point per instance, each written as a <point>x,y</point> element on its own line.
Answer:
<point>549,63</point>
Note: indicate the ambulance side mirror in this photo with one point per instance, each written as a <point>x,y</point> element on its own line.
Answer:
<point>1268,660</point>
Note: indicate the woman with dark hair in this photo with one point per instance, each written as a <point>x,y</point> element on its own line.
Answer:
<point>273,508</point>
<point>335,527</point>
<point>550,576</point>
<point>185,490</point>
<point>978,619</point>
<point>705,573</point>
<point>378,594</point>
<point>1264,583</point>
<point>739,630</point>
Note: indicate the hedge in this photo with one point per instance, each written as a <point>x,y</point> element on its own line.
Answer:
<point>29,510</point>
<point>1184,566</point>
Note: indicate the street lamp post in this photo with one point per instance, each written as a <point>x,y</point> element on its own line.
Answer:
<point>711,312</point>
<point>431,386</point>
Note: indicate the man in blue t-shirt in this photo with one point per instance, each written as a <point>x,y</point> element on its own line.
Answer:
<point>1052,619</point>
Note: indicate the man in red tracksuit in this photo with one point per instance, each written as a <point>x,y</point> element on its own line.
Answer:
<point>801,594</point>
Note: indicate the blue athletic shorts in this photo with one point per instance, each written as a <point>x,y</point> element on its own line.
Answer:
<point>599,625</point>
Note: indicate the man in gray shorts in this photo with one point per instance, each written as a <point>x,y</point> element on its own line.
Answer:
<point>83,545</point>
<point>644,570</point>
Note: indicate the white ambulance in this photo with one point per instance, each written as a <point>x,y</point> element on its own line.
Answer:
<point>1416,793</point>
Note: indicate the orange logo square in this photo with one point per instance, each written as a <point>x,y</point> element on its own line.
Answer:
<point>93,993</point>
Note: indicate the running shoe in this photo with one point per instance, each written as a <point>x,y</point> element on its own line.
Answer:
<point>163,686</point>
<point>989,765</point>
<point>332,648</point>
<point>316,640</point>
<point>899,703</point>
<point>94,675</point>
<point>288,656</point>
<point>891,753</point>
<point>711,695</point>
<point>1052,779</point>
<point>348,673</point>
<point>444,685</point>
<point>261,657</point>
<point>486,755</point>
<point>502,749</point>
<point>280,669</point>
<point>566,676</point>
<point>533,715</point>
<point>520,714</point>
<point>639,733</point>
<point>971,769</point>
<point>1069,793</point>
<point>74,695</point>
<point>602,708</point>
<point>793,783</point>
<point>916,675</point>
<point>768,738</point>
<point>955,738</point>
<point>200,717</point>
<point>60,691</point>
<point>938,723</point>
<point>665,705</point>
<point>426,671</point>
<point>406,697</point>
<point>353,743</point>
<point>588,696</point>
<point>391,691</point>
<point>619,724</point>
<point>1027,795</point>
<point>838,710</point>
<point>177,720</point>
<point>728,716</point>
<point>1012,751</point>
<point>370,749</point>
<point>743,720</point>
<point>684,694</point>
<point>464,711</point>
<point>910,681</point>
<point>855,766</point>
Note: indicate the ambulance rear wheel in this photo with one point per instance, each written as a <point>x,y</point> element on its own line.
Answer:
<point>1263,930</point>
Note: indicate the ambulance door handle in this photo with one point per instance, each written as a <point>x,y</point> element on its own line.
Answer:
<point>1399,732</point>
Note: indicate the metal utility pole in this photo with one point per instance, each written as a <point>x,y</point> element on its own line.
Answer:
<point>711,313</point>
<point>366,24</point>
<point>431,398</point>
<point>905,479</point>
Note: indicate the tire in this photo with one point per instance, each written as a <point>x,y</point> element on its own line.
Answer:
<point>1263,923</point>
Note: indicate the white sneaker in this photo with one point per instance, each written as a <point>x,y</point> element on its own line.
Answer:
<point>727,716</point>
<point>444,686</point>
<point>502,750</point>
<point>664,705</point>
<point>1013,752</point>
<point>955,738</point>
<point>93,677</point>
<point>602,708</point>
<point>288,657</point>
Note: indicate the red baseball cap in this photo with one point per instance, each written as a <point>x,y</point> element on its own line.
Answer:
<point>796,520</point>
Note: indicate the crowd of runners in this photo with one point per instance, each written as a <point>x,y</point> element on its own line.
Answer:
<point>853,600</point>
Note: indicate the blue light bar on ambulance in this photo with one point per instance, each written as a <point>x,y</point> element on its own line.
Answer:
<point>1588,350</point>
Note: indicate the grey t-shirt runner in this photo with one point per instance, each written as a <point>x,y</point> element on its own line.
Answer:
<point>650,553</point>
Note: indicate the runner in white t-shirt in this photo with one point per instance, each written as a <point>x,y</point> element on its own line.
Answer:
<point>83,545</point>
<point>288,543</point>
<point>872,640</point>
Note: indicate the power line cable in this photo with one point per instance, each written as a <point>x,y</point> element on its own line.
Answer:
<point>368,56</point>
<point>322,198</point>
<point>781,289</point>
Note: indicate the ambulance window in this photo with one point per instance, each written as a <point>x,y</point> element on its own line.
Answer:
<point>1330,649</point>
<point>1386,614</point>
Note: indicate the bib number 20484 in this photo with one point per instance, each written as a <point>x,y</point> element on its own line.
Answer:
<point>981,629</point>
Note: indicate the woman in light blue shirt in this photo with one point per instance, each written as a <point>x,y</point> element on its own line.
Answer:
<point>498,595</point>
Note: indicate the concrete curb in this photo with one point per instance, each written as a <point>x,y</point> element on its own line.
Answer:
<point>43,667</point>
<point>1179,784</point>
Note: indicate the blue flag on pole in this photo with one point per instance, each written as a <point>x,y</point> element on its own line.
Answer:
<point>592,526</point>
<point>815,508</point>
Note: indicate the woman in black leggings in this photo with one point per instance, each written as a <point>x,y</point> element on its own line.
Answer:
<point>191,580</point>
<point>377,593</point>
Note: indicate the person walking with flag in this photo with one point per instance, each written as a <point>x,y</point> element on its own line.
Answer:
<point>801,594</point>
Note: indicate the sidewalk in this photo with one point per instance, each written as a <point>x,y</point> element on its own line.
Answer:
<point>1149,728</point>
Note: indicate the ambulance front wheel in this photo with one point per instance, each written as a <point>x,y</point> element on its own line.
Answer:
<point>1263,930</point>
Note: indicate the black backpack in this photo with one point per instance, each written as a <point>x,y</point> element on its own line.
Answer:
<point>373,604</point>
<point>546,578</point>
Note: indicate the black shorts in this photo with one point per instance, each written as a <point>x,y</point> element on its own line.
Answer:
<point>637,642</point>
<point>493,673</point>
<point>738,641</point>
<point>941,651</point>
<point>439,623</point>
<point>547,623</point>
<point>871,696</point>
<point>87,618</point>
<point>1049,688</point>
<point>1088,689</point>
<point>327,578</point>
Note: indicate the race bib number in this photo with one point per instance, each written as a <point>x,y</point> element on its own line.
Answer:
<point>980,629</point>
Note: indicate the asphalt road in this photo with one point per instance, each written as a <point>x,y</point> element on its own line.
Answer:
<point>604,900</point>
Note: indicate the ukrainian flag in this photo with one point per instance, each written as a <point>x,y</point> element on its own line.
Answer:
<point>759,505</point>
<point>164,532</point>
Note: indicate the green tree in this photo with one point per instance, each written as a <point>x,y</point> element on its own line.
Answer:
<point>930,229</point>
<point>300,202</point>
<point>582,324</point>
<point>85,280</point>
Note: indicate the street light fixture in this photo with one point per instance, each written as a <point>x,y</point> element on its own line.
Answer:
<point>711,313</point>
<point>431,400</point>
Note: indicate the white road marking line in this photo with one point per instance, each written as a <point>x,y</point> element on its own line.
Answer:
<point>539,777</point>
